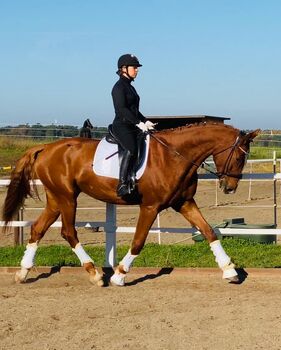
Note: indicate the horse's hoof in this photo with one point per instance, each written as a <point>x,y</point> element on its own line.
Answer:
<point>229,272</point>
<point>97,279</point>
<point>234,279</point>
<point>20,276</point>
<point>118,279</point>
<point>100,283</point>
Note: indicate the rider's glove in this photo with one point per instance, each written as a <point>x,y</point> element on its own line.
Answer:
<point>142,126</point>
<point>150,125</point>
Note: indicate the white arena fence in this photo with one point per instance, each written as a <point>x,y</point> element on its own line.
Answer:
<point>111,228</point>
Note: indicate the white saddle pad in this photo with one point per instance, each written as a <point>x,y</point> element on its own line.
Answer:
<point>106,162</point>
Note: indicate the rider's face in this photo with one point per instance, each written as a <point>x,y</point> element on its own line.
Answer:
<point>132,71</point>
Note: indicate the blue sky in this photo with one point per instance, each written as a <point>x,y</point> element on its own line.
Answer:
<point>217,57</point>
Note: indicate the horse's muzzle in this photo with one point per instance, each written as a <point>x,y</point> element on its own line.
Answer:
<point>228,185</point>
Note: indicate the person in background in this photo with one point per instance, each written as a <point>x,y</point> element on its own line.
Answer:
<point>85,131</point>
<point>128,121</point>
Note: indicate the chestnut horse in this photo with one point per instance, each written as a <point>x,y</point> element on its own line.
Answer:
<point>170,180</point>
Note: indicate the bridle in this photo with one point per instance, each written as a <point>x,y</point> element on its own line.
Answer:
<point>229,158</point>
<point>219,175</point>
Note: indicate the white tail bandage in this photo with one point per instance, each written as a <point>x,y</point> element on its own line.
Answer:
<point>27,261</point>
<point>222,258</point>
<point>127,261</point>
<point>81,254</point>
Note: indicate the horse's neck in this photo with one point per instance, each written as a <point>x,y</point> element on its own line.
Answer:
<point>199,142</point>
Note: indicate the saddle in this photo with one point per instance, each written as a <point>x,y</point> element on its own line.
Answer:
<point>136,163</point>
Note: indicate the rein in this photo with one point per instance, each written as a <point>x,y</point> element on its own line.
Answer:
<point>173,150</point>
<point>217,174</point>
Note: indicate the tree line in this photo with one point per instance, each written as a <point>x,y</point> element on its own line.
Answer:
<point>268,138</point>
<point>52,131</point>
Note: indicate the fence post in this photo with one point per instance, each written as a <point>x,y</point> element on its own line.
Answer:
<point>250,183</point>
<point>274,190</point>
<point>159,231</point>
<point>110,233</point>
<point>280,172</point>
<point>18,231</point>
<point>216,184</point>
<point>21,228</point>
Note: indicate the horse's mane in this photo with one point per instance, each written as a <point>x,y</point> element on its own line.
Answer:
<point>195,126</point>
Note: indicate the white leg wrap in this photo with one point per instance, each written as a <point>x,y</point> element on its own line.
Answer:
<point>81,254</point>
<point>222,259</point>
<point>127,261</point>
<point>118,279</point>
<point>28,259</point>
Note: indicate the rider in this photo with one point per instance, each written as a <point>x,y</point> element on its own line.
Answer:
<point>128,121</point>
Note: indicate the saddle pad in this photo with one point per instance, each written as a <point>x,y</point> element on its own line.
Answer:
<point>106,162</point>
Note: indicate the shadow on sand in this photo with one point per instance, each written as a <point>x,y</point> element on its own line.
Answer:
<point>242,275</point>
<point>108,272</point>
<point>54,269</point>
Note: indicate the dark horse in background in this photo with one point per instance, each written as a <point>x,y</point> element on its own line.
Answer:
<point>170,180</point>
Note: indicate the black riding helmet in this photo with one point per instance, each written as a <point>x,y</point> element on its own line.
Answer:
<point>128,60</point>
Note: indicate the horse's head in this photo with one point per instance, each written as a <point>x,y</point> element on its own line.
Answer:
<point>230,161</point>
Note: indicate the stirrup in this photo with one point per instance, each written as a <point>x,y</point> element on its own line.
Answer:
<point>123,189</point>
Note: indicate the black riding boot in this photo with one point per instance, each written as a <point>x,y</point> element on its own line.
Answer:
<point>123,187</point>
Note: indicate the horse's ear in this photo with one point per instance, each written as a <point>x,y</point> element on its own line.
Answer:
<point>251,135</point>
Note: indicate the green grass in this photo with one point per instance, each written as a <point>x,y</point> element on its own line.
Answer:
<point>11,149</point>
<point>264,152</point>
<point>244,253</point>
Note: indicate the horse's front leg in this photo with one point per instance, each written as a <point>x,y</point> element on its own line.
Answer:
<point>192,213</point>
<point>146,218</point>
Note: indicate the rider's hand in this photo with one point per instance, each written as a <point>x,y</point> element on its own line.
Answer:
<point>142,126</point>
<point>150,125</point>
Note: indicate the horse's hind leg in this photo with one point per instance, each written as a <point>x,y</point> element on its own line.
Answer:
<point>38,230</point>
<point>192,213</point>
<point>69,233</point>
<point>146,218</point>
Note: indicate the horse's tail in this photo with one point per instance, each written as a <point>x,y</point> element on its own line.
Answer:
<point>19,188</point>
